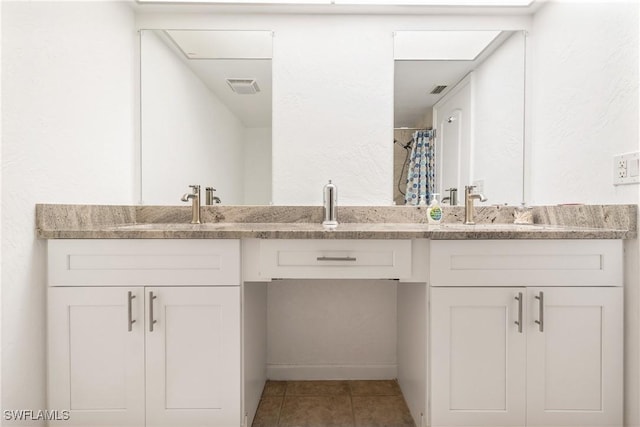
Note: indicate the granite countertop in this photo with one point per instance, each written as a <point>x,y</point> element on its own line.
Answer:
<point>299,222</point>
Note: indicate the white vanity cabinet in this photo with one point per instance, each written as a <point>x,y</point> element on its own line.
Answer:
<point>145,333</point>
<point>477,358</point>
<point>505,352</point>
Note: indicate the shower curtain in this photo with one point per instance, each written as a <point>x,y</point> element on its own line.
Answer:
<point>421,176</point>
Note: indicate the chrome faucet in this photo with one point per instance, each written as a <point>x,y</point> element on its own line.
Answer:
<point>194,196</point>
<point>469,196</point>
<point>452,198</point>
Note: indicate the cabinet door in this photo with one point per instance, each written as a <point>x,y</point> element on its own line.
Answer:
<point>95,363</point>
<point>477,357</point>
<point>193,356</point>
<point>575,360</point>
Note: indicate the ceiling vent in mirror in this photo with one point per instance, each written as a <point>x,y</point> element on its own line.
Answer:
<point>438,89</point>
<point>243,86</point>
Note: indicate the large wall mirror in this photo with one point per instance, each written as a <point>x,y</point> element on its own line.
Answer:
<point>206,114</point>
<point>468,89</point>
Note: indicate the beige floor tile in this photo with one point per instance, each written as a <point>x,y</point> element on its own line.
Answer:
<point>268,413</point>
<point>375,388</point>
<point>316,411</point>
<point>274,388</point>
<point>381,411</point>
<point>317,388</point>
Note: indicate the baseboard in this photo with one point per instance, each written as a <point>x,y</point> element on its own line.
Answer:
<point>331,372</point>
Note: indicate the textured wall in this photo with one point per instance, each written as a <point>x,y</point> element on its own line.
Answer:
<point>331,327</point>
<point>1,192</point>
<point>257,166</point>
<point>68,103</point>
<point>584,100</point>
<point>498,86</point>
<point>338,118</point>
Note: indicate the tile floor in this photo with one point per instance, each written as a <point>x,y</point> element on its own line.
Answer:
<point>332,404</point>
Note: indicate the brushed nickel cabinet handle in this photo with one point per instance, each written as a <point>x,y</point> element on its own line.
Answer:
<point>151,320</point>
<point>130,319</point>
<point>519,321</point>
<point>336,258</point>
<point>540,320</point>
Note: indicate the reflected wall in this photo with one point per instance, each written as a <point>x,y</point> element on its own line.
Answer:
<point>193,133</point>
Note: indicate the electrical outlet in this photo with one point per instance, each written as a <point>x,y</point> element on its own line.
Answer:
<point>622,172</point>
<point>626,168</point>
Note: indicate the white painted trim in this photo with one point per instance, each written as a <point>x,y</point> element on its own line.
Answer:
<point>412,347</point>
<point>254,346</point>
<point>331,372</point>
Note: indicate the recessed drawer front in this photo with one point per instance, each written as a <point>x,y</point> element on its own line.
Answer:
<point>143,262</point>
<point>347,259</point>
<point>526,262</point>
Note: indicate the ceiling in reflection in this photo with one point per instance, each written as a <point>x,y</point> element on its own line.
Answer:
<point>216,56</point>
<point>419,70</point>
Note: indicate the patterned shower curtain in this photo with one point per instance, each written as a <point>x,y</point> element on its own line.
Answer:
<point>421,176</point>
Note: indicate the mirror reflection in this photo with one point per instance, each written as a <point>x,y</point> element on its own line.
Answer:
<point>206,115</point>
<point>459,115</point>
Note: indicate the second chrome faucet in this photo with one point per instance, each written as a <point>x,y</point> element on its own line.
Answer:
<point>194,196</point>
<point>469,197</point>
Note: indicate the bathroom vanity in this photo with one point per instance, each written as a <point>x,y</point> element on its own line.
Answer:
<point>164,324</point>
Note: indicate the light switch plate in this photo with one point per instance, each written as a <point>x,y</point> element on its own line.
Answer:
<point>626,168</point>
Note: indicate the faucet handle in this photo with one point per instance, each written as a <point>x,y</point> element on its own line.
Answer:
<point>195,189</point>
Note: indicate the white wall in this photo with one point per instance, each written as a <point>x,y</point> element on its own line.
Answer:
<point>331,329</point>
<point>338,122</point>
<point>257,166</point>
<point>1,206</point>
<point>453,120</point>
<point>185,125</point>
<point>68,116</point>
<point>584,100</point>
<point>498,105</point>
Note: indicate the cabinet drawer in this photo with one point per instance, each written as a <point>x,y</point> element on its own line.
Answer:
<point>143,262</point>
<point>526,262</point>
<point>331,259</point>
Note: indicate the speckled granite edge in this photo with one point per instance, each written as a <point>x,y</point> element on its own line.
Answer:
<point>245,230</point>
<point>56,217</point>
<point>100,221</point>
<point>624,217</point>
